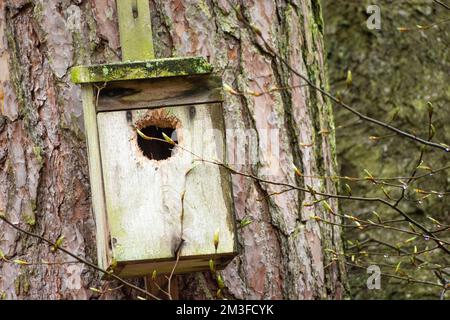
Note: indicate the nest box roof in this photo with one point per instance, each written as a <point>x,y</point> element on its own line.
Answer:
<point>133,70</point>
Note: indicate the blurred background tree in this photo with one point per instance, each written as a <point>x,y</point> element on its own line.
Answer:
<point>396,71</point>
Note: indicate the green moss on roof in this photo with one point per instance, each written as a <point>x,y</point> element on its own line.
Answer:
<point>158,68</point>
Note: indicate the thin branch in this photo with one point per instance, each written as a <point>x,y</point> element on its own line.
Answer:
<point>90,264</point>
<point>406,252</point>
<point>446,6</point>
<point>368,224</point>
<point>275,55</point>
<point>169,286</point>
<point>398,277</point>
<point>336,196</point>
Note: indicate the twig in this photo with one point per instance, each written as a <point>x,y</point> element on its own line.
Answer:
<point>342,197</point>
<point>90,264</point>
<point>446,6</point>
<point>99,89</point>
<point>178,253</point>
<point>334,99</point>
<point>406,252</point>
<point>336,196</point>
<point>397,277</point>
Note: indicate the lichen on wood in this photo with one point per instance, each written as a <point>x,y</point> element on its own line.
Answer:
<point>157,68</point>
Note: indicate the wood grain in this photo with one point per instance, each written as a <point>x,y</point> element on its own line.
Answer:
<point>152,205</point>
<point>151,93</point>
<point>96,177</point>
<point>135,30</point>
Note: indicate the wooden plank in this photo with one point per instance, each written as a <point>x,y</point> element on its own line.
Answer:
<point>135,29</point>
<point>186,265</point>
<point>139,94</point>
<point>95,175</point>
<point>152,204</point>
<point>134,70</point>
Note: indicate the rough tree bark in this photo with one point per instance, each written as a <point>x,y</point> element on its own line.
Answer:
<point>44,183</point>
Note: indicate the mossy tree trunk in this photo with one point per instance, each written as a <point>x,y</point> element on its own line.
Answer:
<point>44,184</point>
<point>395,75</point>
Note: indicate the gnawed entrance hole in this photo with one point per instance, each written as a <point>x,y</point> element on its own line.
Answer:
<point>153,125</point>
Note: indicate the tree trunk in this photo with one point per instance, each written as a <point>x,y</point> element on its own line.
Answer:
<point>43,164</point>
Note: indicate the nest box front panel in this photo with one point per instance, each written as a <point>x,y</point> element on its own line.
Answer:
<point>157,194</point>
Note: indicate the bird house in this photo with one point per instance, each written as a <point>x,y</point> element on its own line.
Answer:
<point>155,133</point>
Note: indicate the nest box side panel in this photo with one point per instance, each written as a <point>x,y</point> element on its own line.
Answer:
<point>95,175</point>
<point>153,204</point>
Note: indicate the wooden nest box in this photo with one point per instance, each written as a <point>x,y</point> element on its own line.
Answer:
<point>154,200</point>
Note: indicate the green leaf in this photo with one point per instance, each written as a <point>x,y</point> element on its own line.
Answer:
<point>434,220</point>
<point>386,193</point>
<point>142,135</point>
<point>216,238</point>
<point>327,206</point>
<point>395,114</point>
<point>423,167</point>
<point>310,189</point>
<point>432,131</point>
<point>430,109</point>
<point>410,239</point>
<point>347,189</point>
<point>58,243</point>
<point>297,171</point>
<point>359,225</point>
<point>229,89</point>
<point>168,139</point>
<point>349,80</point>
<point>244,222</point>
<point>397,268</point>
<point>212,265</point>
<point>369,175</point>
<point>220,282</point>
<point>95,290</point>
<point>412,227</point>
<point>378,216</point>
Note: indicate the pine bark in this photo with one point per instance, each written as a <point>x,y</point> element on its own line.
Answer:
<point>44,185</point>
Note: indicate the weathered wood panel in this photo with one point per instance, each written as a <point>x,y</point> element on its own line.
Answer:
<point>134,70</point>
<point>152,205</point>
<point>177,91</point>
<point>95,175</point>
<point>185,265</point>
<point>135,29</point>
